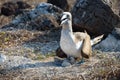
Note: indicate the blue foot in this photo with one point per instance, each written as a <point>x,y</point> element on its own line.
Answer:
<point>81,62</point>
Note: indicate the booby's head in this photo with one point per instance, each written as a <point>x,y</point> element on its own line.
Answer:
<point>66,17</point>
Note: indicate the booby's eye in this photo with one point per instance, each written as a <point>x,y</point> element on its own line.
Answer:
<point>67,16</point>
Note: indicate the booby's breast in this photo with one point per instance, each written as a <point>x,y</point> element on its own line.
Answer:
<point>68,45</point>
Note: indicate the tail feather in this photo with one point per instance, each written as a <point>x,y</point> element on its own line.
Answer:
<point>96,40</point>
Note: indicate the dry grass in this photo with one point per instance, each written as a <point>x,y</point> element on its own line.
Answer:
<point>14,38</point>
<point>11,43</point>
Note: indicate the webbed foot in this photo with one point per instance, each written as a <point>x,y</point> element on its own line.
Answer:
<point>81,61</point>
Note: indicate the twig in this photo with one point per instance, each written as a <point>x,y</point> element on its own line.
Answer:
<point>83,77</point>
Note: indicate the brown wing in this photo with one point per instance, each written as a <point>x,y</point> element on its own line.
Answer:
<point>79,36</point>
<point>86,50</point>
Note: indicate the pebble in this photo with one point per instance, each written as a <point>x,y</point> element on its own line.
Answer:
<point>2,58</point>
<point>66,63</point>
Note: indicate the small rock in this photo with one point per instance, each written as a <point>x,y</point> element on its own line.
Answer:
<point>66,63</point>
<point>72,60</point>
<point>2,58</point>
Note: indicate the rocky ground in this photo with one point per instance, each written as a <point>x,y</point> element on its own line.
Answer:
<point>103,66</point>
<point>30,40</point>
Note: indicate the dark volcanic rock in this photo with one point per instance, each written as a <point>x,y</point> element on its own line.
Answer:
<point>115,5</point>
<point>13,8</point>
<point>22,5</point>
<point>95,16</point>
<point>62,4</point>
<point>9,8</point>
<point>66,5</point>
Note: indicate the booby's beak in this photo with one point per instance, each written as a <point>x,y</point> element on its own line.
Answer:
<point>63,19</point>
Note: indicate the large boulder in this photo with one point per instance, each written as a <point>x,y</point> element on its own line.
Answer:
<point>95,16</point>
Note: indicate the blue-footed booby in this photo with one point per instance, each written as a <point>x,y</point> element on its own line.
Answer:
<point>75,45</point>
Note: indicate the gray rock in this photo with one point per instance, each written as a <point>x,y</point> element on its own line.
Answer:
<point>111,43</point>
<point>116,33</point>
<point>69,61</point>
<point>66,63</point>
<point>43,17</point>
